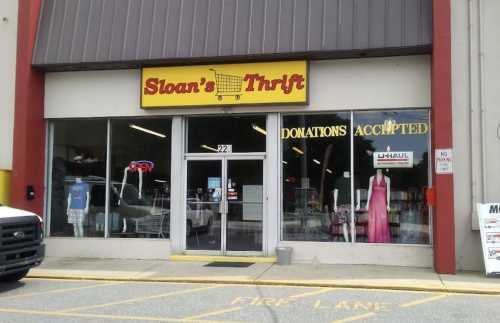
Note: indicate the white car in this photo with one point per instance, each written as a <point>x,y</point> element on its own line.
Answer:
<point>21,243</point>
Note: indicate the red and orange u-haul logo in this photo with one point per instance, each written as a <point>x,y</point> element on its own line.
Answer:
<point>224,84</point>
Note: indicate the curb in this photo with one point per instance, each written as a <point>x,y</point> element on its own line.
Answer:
<point>289,283</point>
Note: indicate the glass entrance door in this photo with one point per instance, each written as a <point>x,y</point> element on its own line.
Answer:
<point>224,205</point>
<point>245,207</point>
<point>203,205</point>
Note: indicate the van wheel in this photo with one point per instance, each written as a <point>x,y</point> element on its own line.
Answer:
<point>14,277</point>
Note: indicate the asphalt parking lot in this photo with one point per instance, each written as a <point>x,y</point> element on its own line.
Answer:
<point>45,300</point>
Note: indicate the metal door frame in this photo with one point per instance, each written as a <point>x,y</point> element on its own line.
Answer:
<point>224,158</point>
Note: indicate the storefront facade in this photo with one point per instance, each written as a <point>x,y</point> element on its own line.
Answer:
<point>334,159</point>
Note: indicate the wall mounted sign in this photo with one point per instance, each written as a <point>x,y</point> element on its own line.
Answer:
<point>444,161</point>
<point>393,159</point>
<point>489,227</point>
<point>224,84</point>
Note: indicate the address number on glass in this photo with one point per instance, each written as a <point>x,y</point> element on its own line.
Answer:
<point>225,149</point>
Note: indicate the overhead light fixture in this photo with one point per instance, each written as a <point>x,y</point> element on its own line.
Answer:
<point>316,161</point>
<point>329,171</point>
<point>259,129</point>
<point>151,132</point>
<point>284,162</point>
<point>208,148</point>
<point>160,181</point>
<point>297,150</point>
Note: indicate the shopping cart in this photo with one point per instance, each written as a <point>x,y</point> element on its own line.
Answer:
<point>227,85</point>
<point>153,224</point>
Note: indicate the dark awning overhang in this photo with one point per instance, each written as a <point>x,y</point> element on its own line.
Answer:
<point>111,34</point>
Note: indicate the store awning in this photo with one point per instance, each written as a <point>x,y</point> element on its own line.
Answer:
<point>74,34</point>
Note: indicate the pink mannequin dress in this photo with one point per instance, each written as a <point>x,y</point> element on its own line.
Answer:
<point>378,224</point>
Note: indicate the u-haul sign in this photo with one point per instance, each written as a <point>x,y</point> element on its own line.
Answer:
<point>393,159</point>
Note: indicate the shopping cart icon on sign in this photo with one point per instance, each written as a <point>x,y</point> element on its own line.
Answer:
<point>227,85</point>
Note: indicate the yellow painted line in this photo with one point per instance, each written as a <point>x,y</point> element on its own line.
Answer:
<point>423,301</point>
<point>103,316</point>
<point>61,290</point>
<point>138,299</point>
<point>199,316</point>
<point>277,283</point>
<point>222,258</point>
<point>355,318</point>
<point>313,293</point>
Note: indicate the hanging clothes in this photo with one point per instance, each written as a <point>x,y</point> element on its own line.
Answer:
<point>378,223</point>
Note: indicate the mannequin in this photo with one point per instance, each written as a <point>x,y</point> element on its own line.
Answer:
<point>78,205</point>
<point>342,203</point>
<point>378,206</point>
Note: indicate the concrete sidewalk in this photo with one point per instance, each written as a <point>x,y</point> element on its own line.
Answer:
<point>313,275</point>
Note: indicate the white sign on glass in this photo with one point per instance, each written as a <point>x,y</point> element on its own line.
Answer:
<point>393,159</point>
<point>444,161</point>
<point>252,202</point>
<point>225,149</point>
<point>489,227</point>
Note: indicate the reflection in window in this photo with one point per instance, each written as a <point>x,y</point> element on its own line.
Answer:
<point>391,162</point>
<point>78,178</point>
<point>316,177</point>
<point>140,178</point>
<point>244,133</point>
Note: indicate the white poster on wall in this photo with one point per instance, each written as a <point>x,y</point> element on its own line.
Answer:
<point>489,227</point>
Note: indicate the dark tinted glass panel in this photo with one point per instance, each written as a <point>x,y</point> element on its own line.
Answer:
<point>140,178</point>
<point>316,177</point>
<point>244,133</point>
<point>78,178</point>
<point>391,161</point>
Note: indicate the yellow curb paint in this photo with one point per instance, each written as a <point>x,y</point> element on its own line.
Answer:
<point>222,258</point>
<point>263,282</point>
<point>138,299</point>
<point>354,318</point>
<point>4,187</point>
<point>313,293</point>
<point>423,301</point>
<point>61,290</point>
<point>199,316</point>
<point>103,316</point>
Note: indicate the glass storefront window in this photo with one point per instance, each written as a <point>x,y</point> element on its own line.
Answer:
<point>316,184</point>
<point>391,161</point>
<point>243,133</point>
<point>140,178</point>
<point>78,178</point>
<point>383,201</point>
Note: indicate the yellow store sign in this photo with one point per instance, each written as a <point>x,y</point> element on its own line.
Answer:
<point>224,84</point>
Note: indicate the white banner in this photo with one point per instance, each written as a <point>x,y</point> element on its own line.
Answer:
<point>393,159</point>
<point>489,226</point>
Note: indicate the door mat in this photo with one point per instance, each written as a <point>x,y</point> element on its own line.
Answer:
<point>229,264</point>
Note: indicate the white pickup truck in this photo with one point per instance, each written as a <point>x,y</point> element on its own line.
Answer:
<point>21,243</point>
